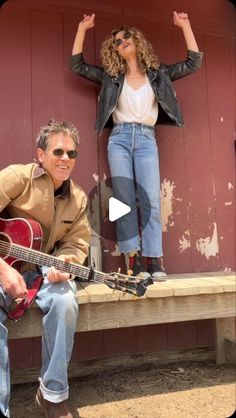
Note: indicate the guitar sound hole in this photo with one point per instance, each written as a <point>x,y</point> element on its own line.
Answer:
<point>4,248</point>
<point>4,238</point>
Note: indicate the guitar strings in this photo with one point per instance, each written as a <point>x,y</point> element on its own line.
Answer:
<point>18,251</point>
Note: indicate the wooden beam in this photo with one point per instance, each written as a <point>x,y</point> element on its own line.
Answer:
<point>99,316</point>
<point>88,367</point>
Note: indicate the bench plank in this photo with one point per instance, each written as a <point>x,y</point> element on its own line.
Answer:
<point>100,316</point>
<point>159,290</point>
<point>207,286</point>
<point>157,311</point>
<point>100,293</point>
<point>182,287</point>
<point>181,298</point>
<point>82,295</point>
<point>227,284</point>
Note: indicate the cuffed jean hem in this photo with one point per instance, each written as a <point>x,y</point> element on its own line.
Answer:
<point>142,253</point>
<point>132,251</point>
<point>53,396</point>
<point>7,414</point>
<point>152,255</point>
<point>124,250</point>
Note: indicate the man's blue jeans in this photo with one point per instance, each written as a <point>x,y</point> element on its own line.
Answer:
<point>60,308</point>
<point>133,154</point>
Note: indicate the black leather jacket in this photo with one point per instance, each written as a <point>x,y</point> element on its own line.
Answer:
<point>160,79</point>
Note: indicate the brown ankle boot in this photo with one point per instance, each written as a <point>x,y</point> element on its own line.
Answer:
<point>51,409</point>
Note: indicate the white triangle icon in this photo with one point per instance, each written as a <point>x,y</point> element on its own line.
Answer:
<point>117,209</point>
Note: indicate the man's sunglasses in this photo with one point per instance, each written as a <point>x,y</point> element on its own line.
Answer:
<point>59,152</point>
<point>126,35</point>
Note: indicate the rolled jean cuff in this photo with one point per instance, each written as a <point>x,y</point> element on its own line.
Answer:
<point>54,396</point>
<point>132,251</point>
<point>7,413</point>
<point>152,255</point>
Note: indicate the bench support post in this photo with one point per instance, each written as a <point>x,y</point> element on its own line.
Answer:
<point>225,331</point>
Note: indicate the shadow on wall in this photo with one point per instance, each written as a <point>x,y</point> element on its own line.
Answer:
<point>2,2</point>
<point>233,2</point>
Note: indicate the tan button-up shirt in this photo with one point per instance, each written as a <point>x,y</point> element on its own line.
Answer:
<point>26,191</point>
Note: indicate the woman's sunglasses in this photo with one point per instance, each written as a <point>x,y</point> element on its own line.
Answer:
<point>126,35</point>
<point>59,152</point>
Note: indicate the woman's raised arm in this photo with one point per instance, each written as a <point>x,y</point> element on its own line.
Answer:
<point>84,25</point>
<point>182,20</point>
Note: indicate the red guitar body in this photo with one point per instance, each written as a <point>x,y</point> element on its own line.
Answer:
<point>25,232</point>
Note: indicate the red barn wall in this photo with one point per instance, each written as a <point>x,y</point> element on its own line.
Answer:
<point>197,162</point>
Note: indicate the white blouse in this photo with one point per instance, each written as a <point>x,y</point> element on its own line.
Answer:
<point>136,106</point>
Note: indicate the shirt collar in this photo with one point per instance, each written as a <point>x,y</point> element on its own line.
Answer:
<point>65,187</point>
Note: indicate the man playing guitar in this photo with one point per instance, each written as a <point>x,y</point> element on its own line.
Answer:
<point>45,193</point>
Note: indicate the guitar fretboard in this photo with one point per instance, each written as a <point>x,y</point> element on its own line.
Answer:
<point>124,284</point>
<point>41,259</point>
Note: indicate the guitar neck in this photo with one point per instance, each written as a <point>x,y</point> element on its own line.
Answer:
<point>41,259</point>
<point>119,282</point>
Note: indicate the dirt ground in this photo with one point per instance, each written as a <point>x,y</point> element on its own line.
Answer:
<point>180,390</point>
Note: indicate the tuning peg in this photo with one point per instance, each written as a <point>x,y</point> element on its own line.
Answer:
<point>147,282</point>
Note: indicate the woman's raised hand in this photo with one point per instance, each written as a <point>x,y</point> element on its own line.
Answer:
<point>180,19</point>
<point>87,22</point>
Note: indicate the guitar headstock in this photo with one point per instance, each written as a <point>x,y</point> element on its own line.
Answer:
<point>136,286</point>
<point>130,284</point>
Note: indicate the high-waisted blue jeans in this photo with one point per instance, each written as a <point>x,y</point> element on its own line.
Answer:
<point>133,154</point>
<point>59,305</point>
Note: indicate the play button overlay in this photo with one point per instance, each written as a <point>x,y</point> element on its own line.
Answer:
<point>117,209</point>
<point>118,203</point>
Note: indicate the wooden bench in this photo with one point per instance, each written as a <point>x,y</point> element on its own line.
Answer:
<point>183,297</point>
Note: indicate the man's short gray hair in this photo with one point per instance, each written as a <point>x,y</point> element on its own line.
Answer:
<point>55,127</point>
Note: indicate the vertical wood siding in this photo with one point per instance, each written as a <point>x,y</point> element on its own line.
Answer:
<point>197,162</point>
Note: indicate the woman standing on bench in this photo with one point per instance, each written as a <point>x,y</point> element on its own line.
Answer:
<point>136,93</point>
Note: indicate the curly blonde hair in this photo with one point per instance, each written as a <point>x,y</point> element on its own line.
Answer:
<point>114,64</point>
